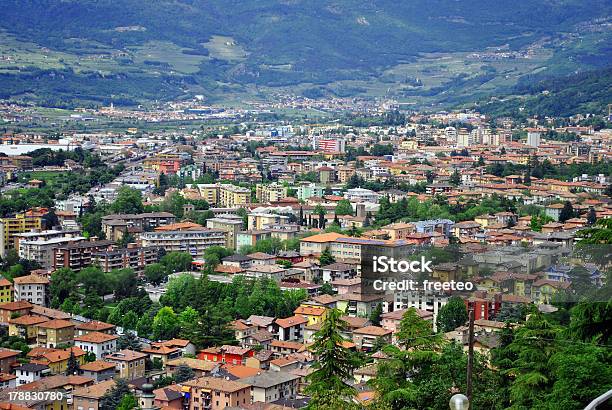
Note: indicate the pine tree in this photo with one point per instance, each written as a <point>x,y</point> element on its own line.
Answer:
<point>72,367</point>
<point>591,217</point>
<point>567,212</point>
<point>376,314</point>
<point>455,178</point>
<point>326,257</point>
<point>328,388</point>
<point>301,217</point>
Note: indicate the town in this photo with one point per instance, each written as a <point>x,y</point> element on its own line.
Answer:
<point>220,260</point>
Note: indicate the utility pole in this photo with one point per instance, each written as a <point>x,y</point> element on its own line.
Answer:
<point>470,365</point>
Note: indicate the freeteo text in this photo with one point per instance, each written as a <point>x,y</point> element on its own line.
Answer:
<point>414,285</point>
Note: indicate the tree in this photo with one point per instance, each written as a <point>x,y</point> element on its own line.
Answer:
<point>328,388</point>
<point>452,315</point>
<point>165,324</point>
<point>155,273</point>
<point>129,201</point>
<point>183,373</point>
<point>376,314</point>
<point>326,258</point>
<point>591,216</point>
<point>128,402</point>
<point>130,320</point>
<point>72,366</point>
<point>114,396</point>
<point>415,332</point>
<point>125,283</point>
<point>320,211</point>
<point>344,207</point>
<point>177,262</point>
<point>567,212</point>
<point>129,341</point>
<point>455,178</point>
<point>598,234</point>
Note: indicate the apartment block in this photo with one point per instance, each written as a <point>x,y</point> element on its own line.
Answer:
<point>31,288</point>
<point>77,256</point>
<point>194,239</point>
<point>133,257</point>
<point>20,223</point>
<point>266,193</point>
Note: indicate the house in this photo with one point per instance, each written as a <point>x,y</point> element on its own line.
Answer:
<point>290,328</point>
<point>162,352</point>
<point>55,332</point>
<point>31,288</point>
<point>237,260</point>
<point>260,360</point>
<point>262,338</point>
<point>359,304</point>
<point>169,397</point>
<point>56,359</point>
<point>270,386</point>
<point>344,286</point>
<point>212,393</point>
<point>29,372</point>
<point>26,327</point>
<point>543,290</point>
<point>88,398</point>
<point>184,345</point>
<point>99,370</point>
<point>130,364</point>
<point>94,326</point>
<point>337,271</point>
<point>261,258</point>
<point>365,373</point>
<point>242,330</point>
<point>199,367</point>
<point>313,314</point>
<point>366,337</point>
<point>391,320</point>
<point>283,347</point>
<point>97,343</point>
<point>7,381</point>
<point>226,354</point>
<point>6,290</point>
<point>10,310</point>
<point>8,357</point>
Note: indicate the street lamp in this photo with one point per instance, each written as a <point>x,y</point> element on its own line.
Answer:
<point>459,402</point>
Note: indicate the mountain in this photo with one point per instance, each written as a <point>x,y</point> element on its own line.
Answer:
<point>89,49</point>
<point>585,93</point>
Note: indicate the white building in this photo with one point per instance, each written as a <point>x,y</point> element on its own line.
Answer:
<point>98,343</point>
<point>194,241</point>
<point>534,136</point>
<point>38,246</point>
<point>362,195</point>
<point>271,386</point>
<point>31,288</point>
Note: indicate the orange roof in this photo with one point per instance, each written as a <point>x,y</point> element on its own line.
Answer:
<point>18,305</point>
<point>27,320</point>
<point>95,337</point>
<point>286,344</point>
<point>324,237</point>
<point>57,355</point>
<point>179,226</point>
<point>310,310</point>
<point>97,366</point>
<point>5,282</point>
<point>291,321</point>
<point>31,280</point>
<point>95,325</point>
<point>241,371</point>
<point>56,324</point>
<point>5,353</point>
<point>373,331</point>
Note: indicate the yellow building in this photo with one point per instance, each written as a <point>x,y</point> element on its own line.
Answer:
<point>20,223</point>
<point>55,332</point>
<point>231,196</point>
<point>56,359</point>
<point>26,327</point>
<point>345,173</point>
<point>266,193</point>
<point>130,364</point>
<point>409,145</point>
<point>6,290</point>
<point>314,314</point>
<point>210,193</point>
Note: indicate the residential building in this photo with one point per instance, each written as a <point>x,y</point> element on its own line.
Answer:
<point>56,359</point>
<point>366,337</point>
<point>290,328</point>
<point>32,288</point>
<point>55,332</point>
<point>361,195</point>
<point>6,290</point>
<point>95,326</point>
<point>270,386</point>
<point>10,310</point>
<point>99,370</point>
<point>226,354</point>
<point>20,223</point>
<point>232,196</point>
<point>267,193</point>
<point>308,190</point>
<point>88,398</point>
<point>39,246</point>
<point>100,344</point>
<point>133,257</point>
<point>8,357</point>
<point>26,327</point>
<point>30,372</point>
<point>211,393</point>
<point>259,220</point>
<point>231,224</point>
<point>194,239</point>
<point>130,364</point>
<point>77,256</point>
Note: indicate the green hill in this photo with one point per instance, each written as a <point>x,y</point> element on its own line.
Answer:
<point>175,47</point>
